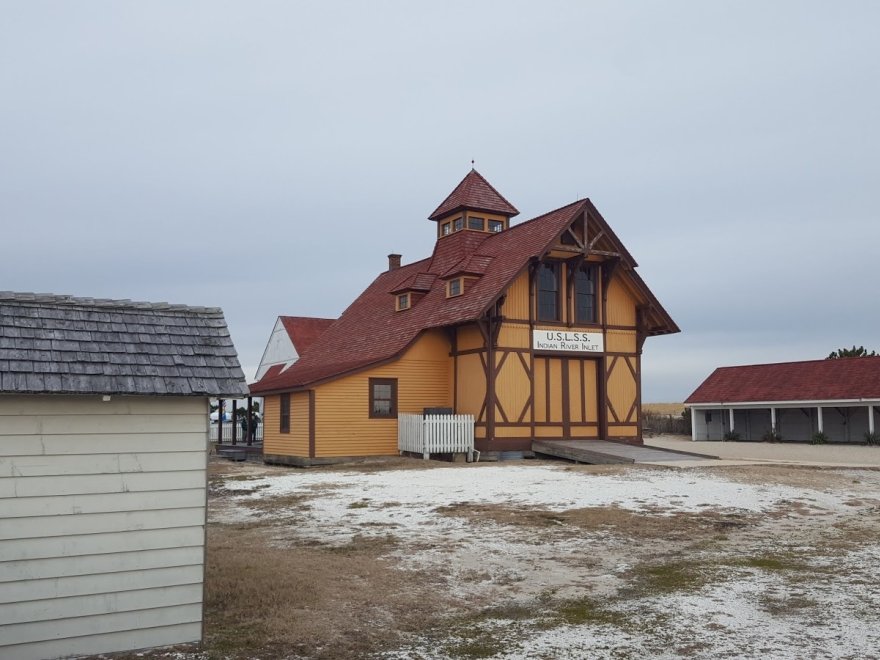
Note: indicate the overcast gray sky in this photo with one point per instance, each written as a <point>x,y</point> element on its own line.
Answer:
<point>267,156</point>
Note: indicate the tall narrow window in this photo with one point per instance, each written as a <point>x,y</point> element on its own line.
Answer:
<point>285,413</point>
<point>585,295</point>
<point>383,397</point>
<point>548,292</point>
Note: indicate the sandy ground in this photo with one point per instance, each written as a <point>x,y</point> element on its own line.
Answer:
<point>542,559</point>
<point>784,452</point>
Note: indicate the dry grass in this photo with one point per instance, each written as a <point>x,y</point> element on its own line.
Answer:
<point>316,602</point>
<point>630,524</point>
<point>674,409</point>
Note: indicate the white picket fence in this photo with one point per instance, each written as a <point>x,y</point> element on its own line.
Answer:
<point>436,434</point>
<point>240,438</point>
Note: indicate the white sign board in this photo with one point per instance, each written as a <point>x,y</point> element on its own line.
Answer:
<point>568,341</point>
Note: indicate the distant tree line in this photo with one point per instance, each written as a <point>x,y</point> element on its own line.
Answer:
<point>850,353</point>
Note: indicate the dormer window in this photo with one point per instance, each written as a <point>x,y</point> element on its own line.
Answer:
<point>453,288</point>
<point>495,226</point>
<point>476,223</point>
<point>403,302</point>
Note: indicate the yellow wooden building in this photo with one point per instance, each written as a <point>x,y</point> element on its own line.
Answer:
<point>535,328</point>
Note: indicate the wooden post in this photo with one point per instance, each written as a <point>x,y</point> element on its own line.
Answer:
<point>250,412</point>
<point>234,424</point>
<point>219,421</point>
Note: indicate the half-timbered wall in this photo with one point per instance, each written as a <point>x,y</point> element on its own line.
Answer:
<point>550,395</point>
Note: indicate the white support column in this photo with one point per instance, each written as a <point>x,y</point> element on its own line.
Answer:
<point>870,419</point>
<point>773,419</point>
<point>694,424</point>
<point>730,410</point>
<point>819,420</point>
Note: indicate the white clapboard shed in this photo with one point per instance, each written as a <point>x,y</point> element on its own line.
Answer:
<point>103,451</point>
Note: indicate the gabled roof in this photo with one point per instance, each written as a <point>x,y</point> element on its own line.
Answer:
<point>474,192</point>
<point>814,380</point>
<point>371,332</point>
<point>304,330</point>
<point>64,345</point>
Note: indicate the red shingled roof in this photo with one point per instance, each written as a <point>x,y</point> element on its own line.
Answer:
<point>815,380</point>
<point>474,192</point>
<point>304,330</point>
<point>371,331</point>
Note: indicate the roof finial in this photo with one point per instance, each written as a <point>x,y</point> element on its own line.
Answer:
<point>472,164</point>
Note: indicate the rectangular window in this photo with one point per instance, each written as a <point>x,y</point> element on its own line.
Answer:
<point>475,223</point>
<point>548,292</point>
<point>446,228</point>
<point>383,397</point>
<point>402,301</point>
<point>454,288</point>
<point>585,295</point>
<point>458,224</point>
<point>285,413</point>
<point>495,226</point>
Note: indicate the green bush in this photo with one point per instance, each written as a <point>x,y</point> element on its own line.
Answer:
<point>731,436</point>
<point>772,436</point>
<point>819,438</point>
<point>872,438</point>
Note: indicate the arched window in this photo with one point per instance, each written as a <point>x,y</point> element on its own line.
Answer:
<point>548,292</point>
<point>585,295</point>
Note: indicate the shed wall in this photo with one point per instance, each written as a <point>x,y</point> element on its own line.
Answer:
<point>103,523</point>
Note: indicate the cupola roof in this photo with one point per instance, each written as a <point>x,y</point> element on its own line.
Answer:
<point>474,192</point>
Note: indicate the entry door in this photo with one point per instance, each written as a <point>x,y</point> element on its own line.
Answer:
<point>566,397</point>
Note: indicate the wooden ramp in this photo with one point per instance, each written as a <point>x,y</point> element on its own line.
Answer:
<point>599,452</point>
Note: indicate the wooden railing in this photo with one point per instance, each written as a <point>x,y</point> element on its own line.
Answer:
<point>435,434</point>
<point>240,436</point>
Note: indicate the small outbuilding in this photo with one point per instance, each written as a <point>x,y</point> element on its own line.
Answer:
<point>103,450</point>
<point>788,401</point>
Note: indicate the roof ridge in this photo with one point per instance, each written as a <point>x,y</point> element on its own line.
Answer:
<point>125,303</point>
<point>813,361</point>
<point>530,220</point>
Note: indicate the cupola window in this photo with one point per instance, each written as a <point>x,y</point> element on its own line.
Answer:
<point>495,226</point>
<point>447,228</point>
<point>458,224</point>
<point>476,223</point>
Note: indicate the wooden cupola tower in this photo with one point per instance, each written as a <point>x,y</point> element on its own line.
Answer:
<point>474,205</point>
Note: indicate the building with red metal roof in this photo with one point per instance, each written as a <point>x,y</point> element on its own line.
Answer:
<point>535,329</point>
<point>788,400</point>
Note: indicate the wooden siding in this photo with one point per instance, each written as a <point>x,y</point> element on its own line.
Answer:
<point>102,531</point>
<point>294,443</point>
<point>621,304</point>
<point>471,386</point>
<point>342,423</point>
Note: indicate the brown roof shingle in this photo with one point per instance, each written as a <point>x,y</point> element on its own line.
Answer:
<point>474,192</point>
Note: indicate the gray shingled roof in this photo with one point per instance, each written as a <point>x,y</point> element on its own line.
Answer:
<point>63,345</point>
